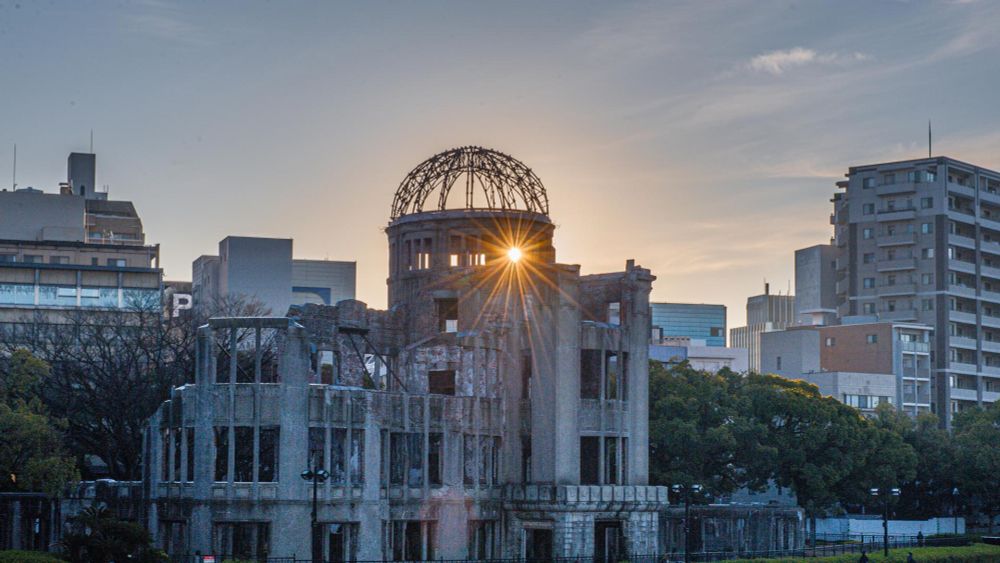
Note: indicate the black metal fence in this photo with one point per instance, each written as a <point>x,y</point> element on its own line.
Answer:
<point>826,545</point>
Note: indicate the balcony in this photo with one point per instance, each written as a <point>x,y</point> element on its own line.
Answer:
<point>963,368</point>
<point>990,271</point>
<point>991,396</point>
<point>963,317</point>
<point>898,289</point>
<point>990,222</point>
<point>898,315</point>
<point>962,342</point>
<point>991,370</point>
<point>990,197</point>
<point>896,240</point>
<point>962,266</point>
<point>962,215</point>
<point>964,394</point>
<point>990,246</point>
<point>896,265</point>
<point>962,290</point>
<point>896,214</point>
<point>991,346</point>
<point>965,242</point>
<point>897,188</point>
<point>962,190</point>
<point>915,347</point>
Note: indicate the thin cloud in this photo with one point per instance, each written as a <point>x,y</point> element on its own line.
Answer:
<point>778,62</point>
<point>165,21</point>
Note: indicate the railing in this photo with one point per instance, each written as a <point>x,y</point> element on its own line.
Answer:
<point>825,547</point>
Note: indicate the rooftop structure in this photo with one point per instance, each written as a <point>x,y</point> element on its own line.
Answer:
<point>698,321</point>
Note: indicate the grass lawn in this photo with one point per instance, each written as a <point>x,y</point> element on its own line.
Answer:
<point>975,553</point>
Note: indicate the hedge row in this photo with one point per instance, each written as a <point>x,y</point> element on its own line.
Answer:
<point>28,557</point>
<point>976,553</point>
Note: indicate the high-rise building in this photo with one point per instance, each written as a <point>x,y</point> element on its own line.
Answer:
<point>697,321</point>
<point>72,250</point>
<point>765,312</point>
<point>861,364</point>
<point>919,240</point>
<point>262,269</point>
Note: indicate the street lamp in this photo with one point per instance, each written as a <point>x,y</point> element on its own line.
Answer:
<point>687,490</point>
<point>886,494</point>
<point>954,508</point>
<point>317,475</point>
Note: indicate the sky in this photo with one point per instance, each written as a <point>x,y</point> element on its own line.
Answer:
<point>702,139</point>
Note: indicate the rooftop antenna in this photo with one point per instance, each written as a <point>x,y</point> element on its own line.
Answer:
<point>929,139</point>
<point>14,178</point>
<point>91,141</point>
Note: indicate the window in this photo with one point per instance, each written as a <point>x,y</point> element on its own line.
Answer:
<point>615,313</point>
<point>441,382</point>
<point>611,460</point>
<point>537,544</point>
<point>447,315</point>
<point>888,179</point>
<point>890,279</point>
<point>94,261</point>
<point>590,374</point>
<point>926,279</point>
<point>338,456</point>
<point>32,259</point>
<point>868,183</point>
<point>242,540</point>
<point>890,205</point>
<point>341,541</point>
<point>435,458</point>
<point>17,294</point>
<point>58,259</point>
<point>867,233</point>
<point>483,540</point>
<point>777,361</point>
<point>453,260</point>
<point>869,283</point>
<point>116,262</point>
<point>8,258</point>
<point>357,460</point>
<point>927,253</point>
<point>926,202</point>
<point>406,459</point>
<point>869,308</point>
<point>927,228</point>
<point>830,341</point>
<point>928,304</point>
<point>267,454</point>
<point>868,209</point>
<point>890,307</point>
<point>872,338</point>
<point>221,453</point>
<point>411,540</point>
<point>590,457</point>
<point>243,445</point>
<point>317,448</point>
<point>868,257</point>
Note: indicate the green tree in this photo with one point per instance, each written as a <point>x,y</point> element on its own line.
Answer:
<point>697,433</point>
<point>31,453</point>
<point>819,443</point>
<point>977,437</point>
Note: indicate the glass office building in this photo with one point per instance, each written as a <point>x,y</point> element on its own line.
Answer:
<point>697,321</point>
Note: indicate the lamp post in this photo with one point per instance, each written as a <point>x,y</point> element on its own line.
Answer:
<point>954,508</point>
<point>886,494</point>
<point>317,475</point>
<point>687,490</point>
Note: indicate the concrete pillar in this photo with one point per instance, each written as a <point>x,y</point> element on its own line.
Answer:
<point>640,284</point>
<point>200,527</point>
<point>565,396</point>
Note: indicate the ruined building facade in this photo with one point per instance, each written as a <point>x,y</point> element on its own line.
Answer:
<point>497,409</point>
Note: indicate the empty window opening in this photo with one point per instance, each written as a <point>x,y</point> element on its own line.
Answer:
<point>590,460</point>
<point>447,315</point>
<point>441,382</point>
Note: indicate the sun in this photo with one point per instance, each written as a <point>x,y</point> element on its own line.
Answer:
<point>514,254</point>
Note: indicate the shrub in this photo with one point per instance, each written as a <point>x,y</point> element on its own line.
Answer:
<point>28,557</point>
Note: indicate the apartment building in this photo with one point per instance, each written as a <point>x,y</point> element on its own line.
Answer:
<point>863,364</point>
<point>919,241</point>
